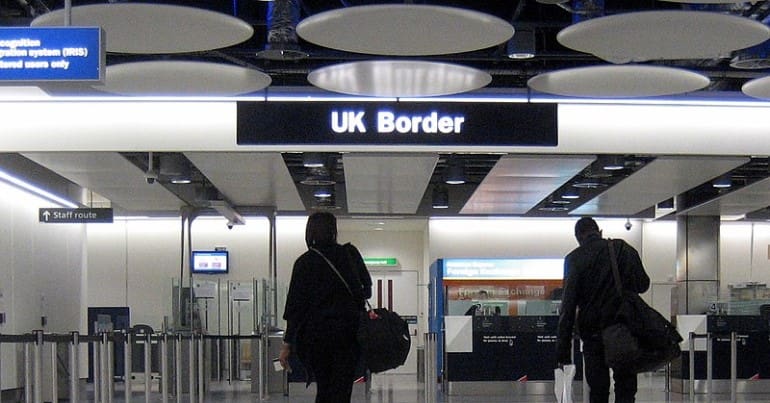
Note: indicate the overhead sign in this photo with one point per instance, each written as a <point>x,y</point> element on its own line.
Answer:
<point>389,123</point>
<point>51,54</point>
<point>75,215</point>
<point>508,269</point>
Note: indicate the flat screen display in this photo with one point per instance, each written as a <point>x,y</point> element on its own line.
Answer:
<point>210,262</point>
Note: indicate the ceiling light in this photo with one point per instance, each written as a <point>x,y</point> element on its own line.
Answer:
<point>323,192</point>
<point>440,197</point>
<point>570,194</point>
<point>522,45</point>
<point>614,163</point>
<point>176,168</point>
<point>589,184</point>
<point>312,160</point>
<point>455,172</point>
<point>723,182</point>
<point>399,78</point>
<point>36,190</point>
<point>318,179</point>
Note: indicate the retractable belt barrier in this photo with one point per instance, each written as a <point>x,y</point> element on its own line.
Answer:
<point>103,346</point>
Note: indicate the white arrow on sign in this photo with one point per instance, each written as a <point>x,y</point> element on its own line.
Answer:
<point>46,214</point>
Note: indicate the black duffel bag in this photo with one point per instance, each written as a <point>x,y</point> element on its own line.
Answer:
<point>384,339</point>
<point>640,339</point>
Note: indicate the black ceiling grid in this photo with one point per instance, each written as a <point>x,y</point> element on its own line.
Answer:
<point>589,183</point>
<point>758,168</point>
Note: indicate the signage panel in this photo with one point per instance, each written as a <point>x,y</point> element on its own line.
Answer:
<point>75,215</point>
<point>381,261</point>
<point>397,123</point>
<point>51,54</point>
<point>511,269</point>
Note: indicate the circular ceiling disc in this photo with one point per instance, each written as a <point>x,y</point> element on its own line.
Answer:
<point>398,78</point>
<point>758,88</point>
<point>404,30</point>
<point>144,28</point>
<point>172,78</point>
<point>663,35</point>
<point>626,81</point>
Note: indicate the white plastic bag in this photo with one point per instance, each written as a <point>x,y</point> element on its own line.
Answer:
<point>562,385</point>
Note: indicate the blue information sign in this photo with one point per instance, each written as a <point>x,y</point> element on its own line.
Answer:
<point>51,54</point>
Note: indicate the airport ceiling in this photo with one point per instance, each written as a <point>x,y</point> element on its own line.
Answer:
<point>409,184</point>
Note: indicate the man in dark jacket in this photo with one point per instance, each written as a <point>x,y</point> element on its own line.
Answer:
<point>591,297</point>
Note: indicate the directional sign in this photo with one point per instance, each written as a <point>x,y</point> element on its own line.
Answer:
<point>75,215</point>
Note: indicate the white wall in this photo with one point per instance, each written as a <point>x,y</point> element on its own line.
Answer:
<point>40,273</point>
<point>135,263</point>
<point>744,254</point>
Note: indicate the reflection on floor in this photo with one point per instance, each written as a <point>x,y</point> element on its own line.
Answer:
<point>405,389</point>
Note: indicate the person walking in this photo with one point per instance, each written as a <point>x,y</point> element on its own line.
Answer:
<point>322,311</point>
<point>590,298</point>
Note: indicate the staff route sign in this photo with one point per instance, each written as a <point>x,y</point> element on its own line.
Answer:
<point>51,54</point>
<point>75,215</point>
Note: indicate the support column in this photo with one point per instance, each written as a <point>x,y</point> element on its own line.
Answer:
<point>697,264</point>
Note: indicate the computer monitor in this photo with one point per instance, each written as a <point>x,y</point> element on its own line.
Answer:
<point>210,262</point>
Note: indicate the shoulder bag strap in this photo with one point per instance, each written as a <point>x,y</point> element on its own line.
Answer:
<point>615,271</point>
<point>334,268</point>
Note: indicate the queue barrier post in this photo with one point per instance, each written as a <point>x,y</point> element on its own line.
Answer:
<point>74,350</point>
<point>733,365</point>
<point>178,367</point>
<point>429,369</point>
<point>128,339</point>
<point>164,367</point>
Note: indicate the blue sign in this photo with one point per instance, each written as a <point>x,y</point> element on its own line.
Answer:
<point>504,269</point>
<point>51,54</point>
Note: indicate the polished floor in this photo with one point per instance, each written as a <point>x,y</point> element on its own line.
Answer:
<point>406,389</point>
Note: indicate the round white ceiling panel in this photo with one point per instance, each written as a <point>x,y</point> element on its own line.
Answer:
<point>757,88</point>
<point>663,35</point>
<point>386,78</point>
<point>404,30</point>
<point>144,28</point>
<point>626,81</point>
<point>180,78</point>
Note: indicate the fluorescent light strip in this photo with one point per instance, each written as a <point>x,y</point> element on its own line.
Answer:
<point>36,190</point>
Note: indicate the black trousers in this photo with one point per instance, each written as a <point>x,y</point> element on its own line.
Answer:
<point>334,367</point>
<point>598,375</point>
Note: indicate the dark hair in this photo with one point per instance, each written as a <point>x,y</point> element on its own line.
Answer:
<point>585,226</point>
<point>321,229</point>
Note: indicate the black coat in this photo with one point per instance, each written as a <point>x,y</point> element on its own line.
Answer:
<point>319,308</point>
<point>590,295</point>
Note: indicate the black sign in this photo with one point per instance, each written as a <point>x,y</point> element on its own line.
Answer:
<point>397,123</point>
<point>75,215</point>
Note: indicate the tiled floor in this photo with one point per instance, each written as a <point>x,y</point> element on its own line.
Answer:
<point>406,389</point>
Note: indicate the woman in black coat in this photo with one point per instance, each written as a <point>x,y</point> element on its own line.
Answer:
<point>322,311</point>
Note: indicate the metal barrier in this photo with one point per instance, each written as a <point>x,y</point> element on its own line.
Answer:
<point>709,364</point>
<point>171,347</point>
<point>430,370</point>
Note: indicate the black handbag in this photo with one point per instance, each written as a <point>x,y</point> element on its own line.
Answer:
<point>640,339</point>
<point>382,334</point>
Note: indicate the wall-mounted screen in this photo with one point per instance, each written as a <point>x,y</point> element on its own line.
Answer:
<point>210,262</point>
